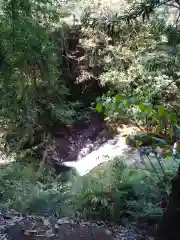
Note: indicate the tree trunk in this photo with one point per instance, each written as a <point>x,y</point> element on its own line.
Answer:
<point>170,225</point>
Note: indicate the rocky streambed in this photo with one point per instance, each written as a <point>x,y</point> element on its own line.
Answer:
<point>20,227</point>
<point>88,143</point>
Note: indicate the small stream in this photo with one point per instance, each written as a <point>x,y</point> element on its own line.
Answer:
<point>109,150</point>
<point>86,145</point>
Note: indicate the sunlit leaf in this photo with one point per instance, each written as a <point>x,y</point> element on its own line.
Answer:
<point>127,103</point>
<point>99,107</point>
<point>142,107</point>
<point>149,109</point>
<point>161,110</point>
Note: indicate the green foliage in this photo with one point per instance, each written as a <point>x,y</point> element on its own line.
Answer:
<point>32,90</point>
<point>146,78</point>
<point>116,191</point>
<point>142,62</point>
<point>156,118</point>
<point>112,192</point>
<point>27,191</point>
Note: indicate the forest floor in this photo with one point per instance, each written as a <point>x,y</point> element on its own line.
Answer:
<point>17,227</point>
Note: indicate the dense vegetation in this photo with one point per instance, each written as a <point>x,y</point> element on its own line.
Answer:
<point>114,193</point>
<point>56,64</point>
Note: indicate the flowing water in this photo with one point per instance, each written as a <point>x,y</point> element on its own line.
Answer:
<point>108,151</point>
<point>87,145</point>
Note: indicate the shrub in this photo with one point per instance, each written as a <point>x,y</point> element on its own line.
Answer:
<point>27,191</point>
<point>119,191</point>
<point>112,192</point>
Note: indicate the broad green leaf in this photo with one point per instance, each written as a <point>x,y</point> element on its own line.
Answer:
<point>173,118</point>
<point>154,119</point>
<point>119,99</point>
<point>99,107</point>
<point>136,101</point>
<point>149,109</point>
<point>161,110</point>
<point>142,107</point>
<point>106,114</point>
<point>166,114</point>
<point>127,102</point>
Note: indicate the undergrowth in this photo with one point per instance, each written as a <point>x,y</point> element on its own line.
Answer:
<point>112,193</point>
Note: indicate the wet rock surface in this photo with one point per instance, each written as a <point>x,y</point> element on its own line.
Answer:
<point>74,142</point>
<point>87,144</point>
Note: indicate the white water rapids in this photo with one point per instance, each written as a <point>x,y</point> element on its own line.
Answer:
<point>106,152</point>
